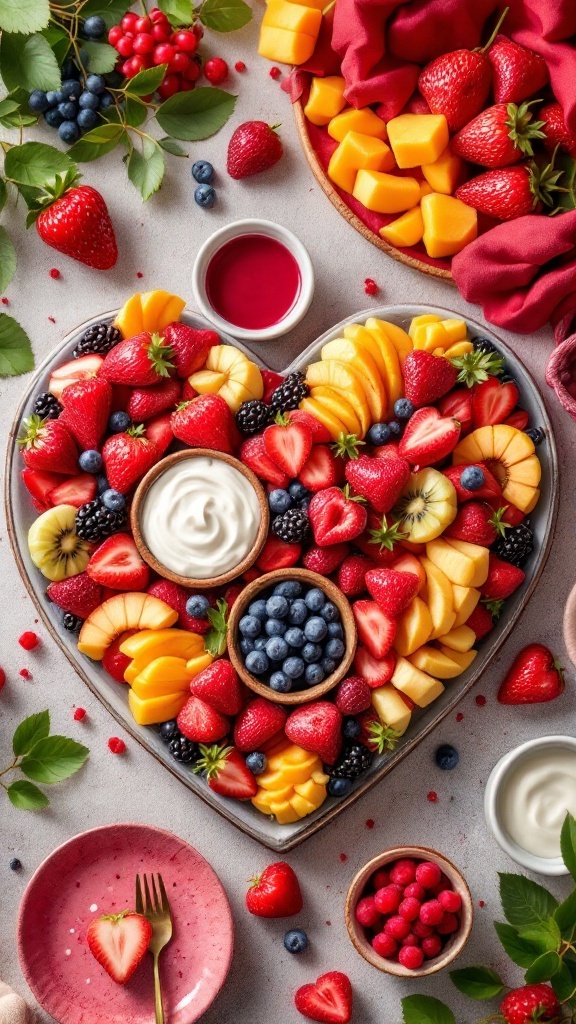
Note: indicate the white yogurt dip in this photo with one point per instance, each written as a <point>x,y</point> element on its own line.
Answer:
<point>200,518</point>
<point>534,796</point>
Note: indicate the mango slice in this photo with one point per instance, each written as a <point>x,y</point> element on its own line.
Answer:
<point>449,224</point>
<point>445,173</point>
<point>406,230</point>
<point>364,121</point>
<point>417,138</point>
<point>326,98</point>
<point>357,151</point>
<point>385,193</point>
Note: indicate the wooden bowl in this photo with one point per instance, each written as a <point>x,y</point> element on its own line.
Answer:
<point>189,581</point>
<point>250,593</point>
<point>455,943</point>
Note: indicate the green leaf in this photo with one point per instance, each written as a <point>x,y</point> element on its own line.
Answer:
<point>3,194</point>
<point>26,796</point>
<point>110,10</point>
<point>215,638</point>
<point>147,81</point>
<point>101,57</point>
<point>58,40</point>
<point>15,112</point>
<point>7,260</point>
<point>519,950</point>
<point>225,15</point>
<point>15,348</point>
<point>135,111</point>
<point>195,115</point>
<point>35,163</point>
<point>564,981</point>
<point>29,62</point>
<point>568,838</point>
<point>477,982</point>
<point>565,916</point>
<point>8,106</point>
<point>35,727</point>
<point>53,759</point>
<point>544,937</point>
<point>543,968</point>
<point>24,16</point>
<point>525,902</point>
<point>567,200</point>
<point>178,12</point>
<point>171,146</point>
<point>426,1010</point>
<point>146,168</point>
<point>97,142</point>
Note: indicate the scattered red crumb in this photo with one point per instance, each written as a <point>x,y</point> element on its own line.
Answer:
<point>2,677</point>
<point>139,273</point>
<point>29,640</point>
<point>79,714</point>
<point>370,286</point>
<point>25,673</point>
<point>240,66</point>
<point>343,857</point>
<point>432,797</point>
<point>481,903</point>
<point>328,922</point>
<point>370,823</point>
<point>52,320</point>
<point>480,700</point>
<point>459,716</point>
<point>116,745</point>
<point>274,72</point>
<point>55,273</point>
<point>5,301</point>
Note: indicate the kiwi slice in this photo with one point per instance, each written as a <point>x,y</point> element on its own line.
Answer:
<point>427,506</point>
<point>55,547</point>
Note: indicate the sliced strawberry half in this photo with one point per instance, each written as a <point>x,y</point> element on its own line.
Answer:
<point>490,490</point>
<point>118,942</point>
<point>117,564</point>
<point>74,490</point>
<point>429,437</point>
<point>159,431</point>
<point>376,671</point>
<point>73,371</point>
<point>226,772</point>
<point>519,419</point>
<point>277,554</point>
<point>375,630</point>
<point>320,433</point>
<point>320,470</point>
<point>288,444</point>
<point>492,402</point>
<point>328,999</point>
<point>458,404</point>
<point>253,454</point>
<point>39,485</point>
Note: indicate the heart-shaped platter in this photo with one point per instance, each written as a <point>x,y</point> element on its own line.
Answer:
<point>243,815</point>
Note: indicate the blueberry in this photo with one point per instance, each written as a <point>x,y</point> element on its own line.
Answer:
<point>113,500</point>
<point>89,101</point>
<point>288,588</point>
<point>168,729</point>
<point>94,27</point>
<point>296,941</point>
<point>257,662</point>
<point>351,729</point>
<point>472,478</point>
<point>335,630</point>
<point>298,612</point>
<point>297,491</point>
<point>313,675</point>
<point>71,88</point>
<point>311,653</point>
<point>87,119</point>
<point>315,629</point>
<point>315,599</point>
<point>258,609</point>
<point>15,864</point>
<point>95,83</point>
<point>256,762</point>
<point>280,682</point>
<point>339,787</point>
<point>279,501</point>
<point>295,637</point>
<point>330,612</point>
<point>119,422</point>
<point>276,648</point>
<point>260,643</point>
<point>394,428</point>
<point>249,626</point>
<point>275,627</point>
<point>203,172</point>
<point>101,485</point>
<point>403,408</point>
<point>247,645</point>
<point>293,668</point>
<point>54,97</point>
<point>446,757</point>
<point>205,196</point>
<point>536,435</point>
<point>106,100</point>
<point>38,101</point>
<point>305,503</point>
<point>379,433</point>
<point>90,461</point>
<point>53,118</point>
<point>277,607</point>
<point>197,606</point>
<point>67,109</point>
<point>328,666</point>
<point>69,131</point>
<point>334,649</point>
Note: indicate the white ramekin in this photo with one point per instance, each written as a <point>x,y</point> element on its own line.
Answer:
<point>254,226</point>
<point>540,865</point>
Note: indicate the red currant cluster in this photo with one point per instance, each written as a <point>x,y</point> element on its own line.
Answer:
<point>149,40</point>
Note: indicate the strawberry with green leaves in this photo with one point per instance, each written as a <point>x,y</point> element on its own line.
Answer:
<point>288,443</point>
<point>501,135</point>
<point>48,445</point>
<point>378,737</point>
<point>74,219</point>
<point>535,677</point>
<point>510,192</point>
<point>139,361</point>
<point>127,457</point>
<point>226,772</point>
<point>477,523</point>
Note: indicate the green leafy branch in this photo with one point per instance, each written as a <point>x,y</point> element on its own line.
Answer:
<point>42,758</point>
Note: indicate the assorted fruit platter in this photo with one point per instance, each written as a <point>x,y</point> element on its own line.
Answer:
<point>405,469</point>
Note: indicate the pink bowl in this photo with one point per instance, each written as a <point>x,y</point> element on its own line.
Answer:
<point>93,874</point>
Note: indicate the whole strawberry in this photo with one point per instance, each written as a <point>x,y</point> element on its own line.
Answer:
<point>379,480</point>
<point>556,131</point>
<point>140,361</point>
<point>144,403</point>
<point>530,1003</point>
<point>456,84</point>
<point>86,408</point>
<point>254,147</point>
<point>535,677</point>
<point>477,523</point>
<point>517,72</point>
<point>510,192</point>
<point>257,723</point>
<point>48,445</point>
<point>204,422</point>
<point>127,457</point>
<point>190,347</point>
<point>427,377</point>
<point>77,223</point>
<point>501,135</point>
<point>317,728</point>
<point>275,893</point>
<point>503,579</point>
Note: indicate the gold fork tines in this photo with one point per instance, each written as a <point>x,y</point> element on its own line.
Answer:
<point>152,902</point>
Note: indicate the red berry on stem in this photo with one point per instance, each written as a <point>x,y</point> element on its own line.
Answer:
<point>366,912</point>
<point>180,62</point>
<point>157,17</point>
<point>125,46</point>
<point>115,34</point>
<point>143,43</point>
<point>169,86</point>
<point>161,32</point>
<point>116,745</point>
<point>79,714</point>
<point>370,286</point>
<point>216,70</point>
<point>185,41</point>
<point>128,21</point>
<point>29,640</point>
<point>163,53</point>
<point>384,945</point>
<point>142,25</point>
<point>428,874</point>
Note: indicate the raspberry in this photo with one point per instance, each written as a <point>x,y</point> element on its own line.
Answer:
<point>29,640</point>
<point>388,899</point>
<point>409,909</point>
<point>431,946</point>
<point>380,879</point>
<point>423,931</point>
<point>448,925</point>
<point>431,912</point>
<point>428,874</point>
<point>416,890</point>
<point>240,66</point>
<point>370,286</point>
<point>274,72</point>
<point>397,927</point>
<point>116,745</point>
<point>403,872</point>
<point>79,714</point>
<point>384,944</point>
<point>411,940</point>
<point>450,900</point>
<point>55,273</point>
<point>411,957</point>
<point>367,913</point>
<point>2,677</point>
<point>353,696</point>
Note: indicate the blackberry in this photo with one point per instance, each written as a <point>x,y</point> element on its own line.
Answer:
<point>47,406</point>
<point>73,623</point>
<point>252,417</point>
<point>99,338</point>
<point>353,762</point>
<point>536,435</point>
<point>290,393</point>
<point>96,522</point>
<point>183,749</point>
<point>516,545</point>
<point>484,345</point>
<point>293,526</point>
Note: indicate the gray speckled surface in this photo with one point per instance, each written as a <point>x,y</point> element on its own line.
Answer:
<point>160,241</point>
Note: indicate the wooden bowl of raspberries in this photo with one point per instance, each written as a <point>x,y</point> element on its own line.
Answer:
<point>409,912</point>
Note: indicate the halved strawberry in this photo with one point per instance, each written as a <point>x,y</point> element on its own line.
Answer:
<point>253,454</point>
<point>458,403</point>
<point>320,470</point>
<point>201,723</point>
<point>490,490</point>
<point>503,579</point>
<point>277,554</point>
<point>512,515</point>
<point>73,371</point>
<point>116,563</point>
<point>320,433</point>
<point>375,630</point>
<point>39,484</point>
<point>328,999</point>
<point>376,671</point>
<point>288,444</point>
<point>79,594</point>
<point>118,942</point>
<point>159,431</point>
<point>429,437</point>
<point>392,590</point>
<point>74,490</point>
<point>519,419</point>
<point>226,772</point>
<point>492,402</point>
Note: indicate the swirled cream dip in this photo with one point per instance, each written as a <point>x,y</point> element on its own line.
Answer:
<point>534,797</point>
<point>200,518</point>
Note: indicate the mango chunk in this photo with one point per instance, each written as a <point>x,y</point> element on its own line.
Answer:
<point>279,44</point>
<point>318,4</point>
<point>406,230</point>
<point>445,173</point>
<point>385,193</point>
<point>356,152</point>
<point>430,337</point>
<point>292,17</point>
<point>455,329</point>
<point>449,224</point>
<point>153,710</point>
<point>364,121</point>
<point>326,98</point>
<point>425,189</point>
<point>417,138</point>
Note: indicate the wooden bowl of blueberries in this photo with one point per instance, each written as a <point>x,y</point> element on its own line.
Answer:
<point>291,636</point>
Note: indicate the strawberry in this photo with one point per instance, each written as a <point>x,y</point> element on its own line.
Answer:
<point>519,419</point>
<point>201,723</point>
<point>329,999</point>
<point>114,662</point>
<point>256,723</point>
<point>77,223</point>
<point>118,942</point>
<point>530,1003</point>
<point>190,347</point>
<point>188,391</point>
<point>127,457</point>
<point>477,523</point>
<point>320,469</point>
<point>352,574</point>
<point>120,397</point>
<point>316,727</point>
<point>376,671</point>
<point>534,677</point>
<point>490,490</point>
<point>353,696</point>
<point>511,515</point>
<point>277,554</point>
<point>79,595</point>
<point>40,484</point>
<point>144,403</point>
<point>500,135</point>
<point>503,579</point>
<point>226,772</point>
<point>140,361</point>
<point>380,541</point>
<point>254,147</point>
<point>427,377</point>
<point>205,422</point>
<point>510,192</point>
<point>220,686</point>
<point>492,401</point>
<point>392,590</point>
<point>335,517</point>
<point>73,371</point>
<point>379,480</point>
<point>458,404</point>
<point>47,445</point>
<point>429,437</point>
<point>86,408</point>
<point>159,431</point>
<point>254,455</point>
<point>176,597</point>
<point>320,433</point>
<point>375,734</point>
<point>275,893</point>
<point>288,444</point>
<point>375,630</point>
<point>271,381</point>
<point>517,72</point>
<point>232,593</point>
<point>116,563</point>
<point>325,560</point>
<point>556,131</point>
<point>480,621</point>
<point>74,490</point>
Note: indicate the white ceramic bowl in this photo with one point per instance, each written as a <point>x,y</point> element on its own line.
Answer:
<point>271,230</point>
<point>540,865</point>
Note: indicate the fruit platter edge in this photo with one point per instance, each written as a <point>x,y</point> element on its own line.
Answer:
<point>400,255</point>
<point>243,816</point>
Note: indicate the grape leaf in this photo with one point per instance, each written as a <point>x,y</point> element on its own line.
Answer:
<point>28,62</point>
<point>195,115</point>
<point>25,16</point>
<point>146,168</point>
<point>225,15</point>
<point>26,796</point>
<point>58,40</point>
<point>53,759</point>
<point>15,348</point>
<point>35,727</point>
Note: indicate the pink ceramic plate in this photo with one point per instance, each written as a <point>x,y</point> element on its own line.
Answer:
<point>93,874</point>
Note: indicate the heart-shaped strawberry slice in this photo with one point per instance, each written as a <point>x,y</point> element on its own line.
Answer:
<point>328,999</point>
<point>429,437</point>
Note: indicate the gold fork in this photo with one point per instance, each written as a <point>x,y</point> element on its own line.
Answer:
<point>153,904</point>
